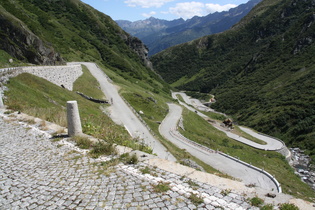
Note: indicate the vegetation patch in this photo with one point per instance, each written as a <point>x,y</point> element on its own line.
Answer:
<point>256,201</point>
<point>82,142</point>
<point>161,187</point>
<point>129,159</point>
<point>196,199</point>
<point>288,206</point>
<point>225,192</point>
<point>102,148</point>
<point>198,130</point>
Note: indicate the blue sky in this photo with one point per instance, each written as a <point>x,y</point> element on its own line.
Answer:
<point>163,9</point>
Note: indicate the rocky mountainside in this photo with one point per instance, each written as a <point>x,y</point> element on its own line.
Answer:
<point>56,31</point>
<point>262,71</point>
<point>23,44</point>
<point>160,34</point>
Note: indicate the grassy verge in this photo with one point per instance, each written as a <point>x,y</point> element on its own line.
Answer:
<point>198,130</point>
<point>88,85</point>
<point>153,114</point>
<point>40,98</point>
<point>180,98</point>
<point>4,60</point>
<point>239,132</point>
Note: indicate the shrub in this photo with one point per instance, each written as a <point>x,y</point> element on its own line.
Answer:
<point>288,206</point>
<point>82,142</point>
<point>127,159</point>
<point>255,201</point>
<point>102,148</point>
<point>267,207</point>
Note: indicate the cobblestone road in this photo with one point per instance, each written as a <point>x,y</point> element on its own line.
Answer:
<point>39,173</point>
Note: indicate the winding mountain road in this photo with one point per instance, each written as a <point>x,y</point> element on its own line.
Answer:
<point>222,163</point>
<point>121,113</point>
<point>272,144</point>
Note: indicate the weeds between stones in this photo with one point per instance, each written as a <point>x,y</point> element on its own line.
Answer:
<point>161,187</point>
<point>195,199</point>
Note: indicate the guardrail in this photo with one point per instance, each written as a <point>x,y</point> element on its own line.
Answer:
<point>206,149</point>
<point>283,144</point>
<point>255,168</point>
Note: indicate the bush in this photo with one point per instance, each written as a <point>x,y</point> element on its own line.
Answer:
<point>288,206</point>
<point>102,148</point>
<point>255,201</point>
<point>267,207</point>
<point>82,142</point>
<point>127,159</point>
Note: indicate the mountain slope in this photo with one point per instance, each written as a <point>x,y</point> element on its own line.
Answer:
<point>261,71</point>
<point>75,31</point>
<point>160,34</point>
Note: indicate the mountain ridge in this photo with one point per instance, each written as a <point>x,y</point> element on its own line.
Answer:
<point>160,34</point>
<point>260,71</point>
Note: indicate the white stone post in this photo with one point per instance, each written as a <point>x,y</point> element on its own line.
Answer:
<point>73,118</point>
<point>1,101</point>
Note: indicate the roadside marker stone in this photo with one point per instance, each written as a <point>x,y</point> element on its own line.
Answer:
<point>73,118</point>
<point>1,101</point>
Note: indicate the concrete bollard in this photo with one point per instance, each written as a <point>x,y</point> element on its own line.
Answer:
<point>73,118</point>
<point>1,101</point>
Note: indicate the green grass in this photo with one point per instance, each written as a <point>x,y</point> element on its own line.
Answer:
<point>88,85</point>
<point>238,131</point>
<point>256,201</point>
<point>102,148</point>
<point>198,130</point>
<point>4,60</point>
<point>215,116</point>
<point>161,187</point>
<point>154,113</point>
<point>180,98</point>
<point>195,199</point>
<point>82,142</point>
<point>42,99</point>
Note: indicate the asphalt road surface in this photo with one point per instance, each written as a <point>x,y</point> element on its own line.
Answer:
<point>272,144</point>
<point>121,113</point>
<point>217,161</point>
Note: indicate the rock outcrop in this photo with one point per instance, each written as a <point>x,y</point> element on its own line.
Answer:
<point>139,47</point>
<point>21,43</point>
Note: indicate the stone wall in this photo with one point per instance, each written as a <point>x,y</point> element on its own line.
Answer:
<point>60,75</point>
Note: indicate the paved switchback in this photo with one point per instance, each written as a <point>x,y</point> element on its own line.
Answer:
<point>121,113</point>
<point>219,162</point>
<point>272,143</point>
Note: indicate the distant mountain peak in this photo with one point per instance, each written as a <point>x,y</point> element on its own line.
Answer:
<point>159,34</point>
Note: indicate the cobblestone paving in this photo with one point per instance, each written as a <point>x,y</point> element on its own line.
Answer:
<point>39,173</point>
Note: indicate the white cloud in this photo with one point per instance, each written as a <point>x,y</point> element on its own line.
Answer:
<point>150,14</point>
<point>211,8</point>
<point>146,3</point>
<point>189,9</point>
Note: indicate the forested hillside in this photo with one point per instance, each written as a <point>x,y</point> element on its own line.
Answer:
<point>57,31</point>
<point>262,71</point>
